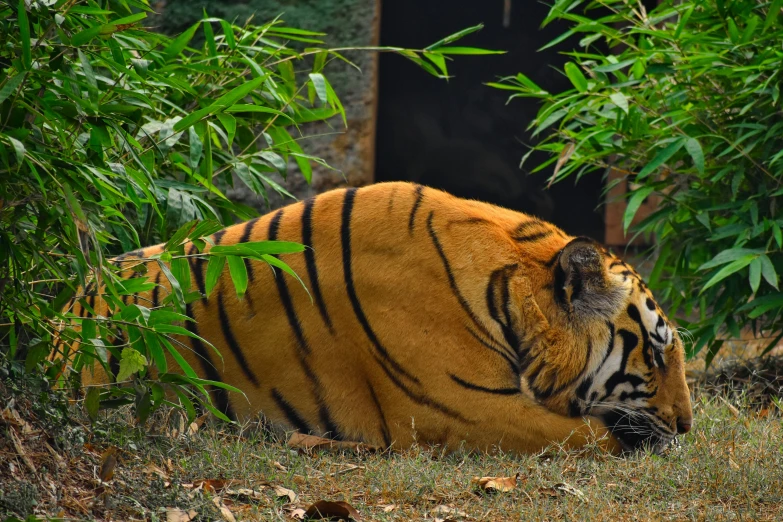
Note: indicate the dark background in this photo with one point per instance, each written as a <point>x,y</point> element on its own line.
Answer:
<point>460,135</point>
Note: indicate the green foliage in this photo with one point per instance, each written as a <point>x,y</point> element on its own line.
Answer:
<point>686,104</point>
<point>113,138</point>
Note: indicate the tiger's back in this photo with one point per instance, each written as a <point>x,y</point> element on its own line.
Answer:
<point>422,320</point>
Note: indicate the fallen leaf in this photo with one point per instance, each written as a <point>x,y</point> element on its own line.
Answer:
<point>733,464</point>
<point>490,484</point>
<point>207,484</point>
<point>312,442</point>
<point>244,492</point>
<point>108,463</point>
<point>180,515</point>
<point>448,511</point>
<point>297,513</point>
<point>763,413</point>
<point>279,466</point>
<point>571,490</point>
<point>280,491</point>
<point>733,409</point>
<point>152,469</point>
<point>388,508</point>
<point>327,509</point>
<point>224,511</point>
<point>196,424</point>
<point>21,451</point>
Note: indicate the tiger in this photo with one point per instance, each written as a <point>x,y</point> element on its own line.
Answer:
<point>432,320</point>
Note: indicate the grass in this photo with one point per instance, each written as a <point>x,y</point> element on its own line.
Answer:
<point>730,467</point>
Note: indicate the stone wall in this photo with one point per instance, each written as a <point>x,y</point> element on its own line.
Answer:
<point>347,23</point>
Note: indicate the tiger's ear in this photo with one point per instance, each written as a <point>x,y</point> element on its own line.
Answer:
<point>582,284</point>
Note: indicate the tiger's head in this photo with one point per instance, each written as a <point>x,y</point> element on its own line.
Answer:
<point>636,379</point>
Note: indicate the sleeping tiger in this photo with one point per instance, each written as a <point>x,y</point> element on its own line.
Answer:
<point>436,320</point>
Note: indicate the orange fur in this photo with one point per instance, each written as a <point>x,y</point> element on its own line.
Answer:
<point>434,319</point>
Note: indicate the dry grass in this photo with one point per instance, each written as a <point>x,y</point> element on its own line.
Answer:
<point>729,467</point>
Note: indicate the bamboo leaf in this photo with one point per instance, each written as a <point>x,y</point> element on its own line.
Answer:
<point>576,76</point>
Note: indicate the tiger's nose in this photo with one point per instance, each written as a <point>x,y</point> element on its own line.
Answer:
<point>684,426</point>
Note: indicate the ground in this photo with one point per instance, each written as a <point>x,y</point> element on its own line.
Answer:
<point>730,467</point>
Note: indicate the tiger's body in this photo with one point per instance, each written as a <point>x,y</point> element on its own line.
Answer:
<point>438,320</point>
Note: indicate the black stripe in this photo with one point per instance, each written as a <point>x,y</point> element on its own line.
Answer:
<point>647,347</point>
<point>476,387</point>
<point>233,345</point>
<point>421,398</point>
<point>391,199</point>
<point>312,270</point>
<point>345,233</point>
<point>508,331</point>
<point>630,342</point>
<point>246,233</point>
<point>524,227</point>
<point>552,260</point>
<point>584,387</point>
<point>453,283</point>
<point>416,203</point>
<point>499,278</point>
<point>513,362</point>
<point>218,236</point>
<point>197,269</point>
<point>384,426</point>
<point>293,416</point>
<point>304,347</point>
<point>91,297</point>
<point>207,367</point>
<point>282,290</point>
<point>532,237</point>
<point>156,290</point>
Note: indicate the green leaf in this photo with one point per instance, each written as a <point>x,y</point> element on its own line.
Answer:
<point>230,124</point>
<point>131,363</point>
<point>238,271</point>
<point>19,150</point>
<point>214,270</point>
<point>180,42</point>
<point>255,249</point>
<point>10,85</point>
<point>196,148</point>
<point>772,14</point>
<point>454,37</point>
<point>768,271</point>
<point>754,278</point>
<point>24,33</point>
<point>181,270</point>
<point>694,149</point>
<point>228,99</point>
<point>661,158</point>
<point>729,255</point>
<point>620,100</point>
<point>726,271</point>
<point>634,203</point>
<point>178,295</point>
<point>155,350</point>
<point>474,51</point>
<point>733,32</point>
<point>575,75</point>
<point>320,86</point>
<point>228,31</point>
<point>92,402</point>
